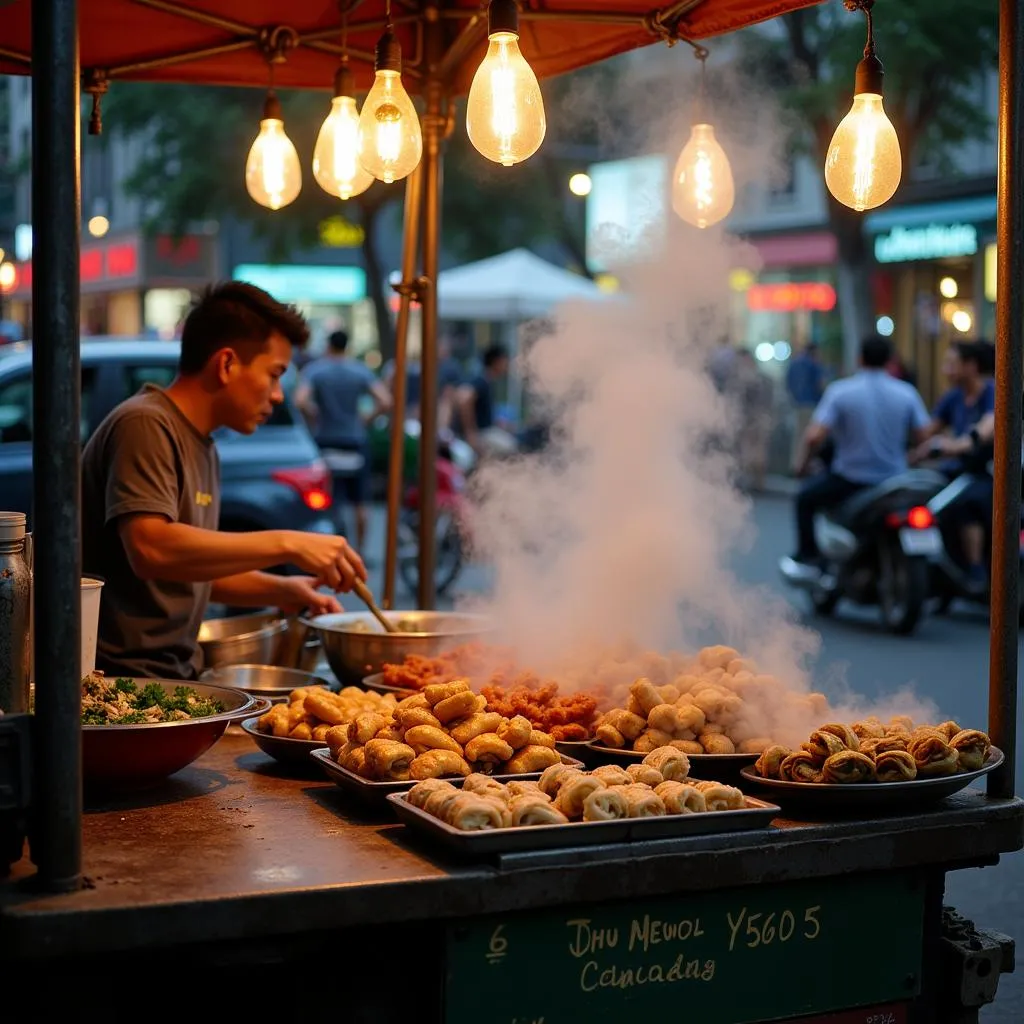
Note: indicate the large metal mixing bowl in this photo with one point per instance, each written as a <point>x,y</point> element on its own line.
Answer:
<point>130,757</point>
<point>357,646</point>
<point>242,639</point>
<point>263,680</point>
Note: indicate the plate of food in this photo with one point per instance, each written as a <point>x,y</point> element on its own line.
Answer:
<point>294,728</point>
<point>871,764</point>
<point>567,807</point>
<point>375,681</point>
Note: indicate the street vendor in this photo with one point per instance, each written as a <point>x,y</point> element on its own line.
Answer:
<point>151,495</point>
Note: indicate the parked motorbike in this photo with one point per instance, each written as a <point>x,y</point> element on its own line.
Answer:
<point>875,550</point>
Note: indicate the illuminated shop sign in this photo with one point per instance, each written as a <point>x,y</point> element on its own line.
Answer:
<point>291,283</point>
<point>789,296</point>
<point>936,241</point>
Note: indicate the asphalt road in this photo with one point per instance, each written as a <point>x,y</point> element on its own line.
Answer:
<point>946,660</point>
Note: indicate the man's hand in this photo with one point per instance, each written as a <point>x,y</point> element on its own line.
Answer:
<point>328,558</point>
<point>300,594</point>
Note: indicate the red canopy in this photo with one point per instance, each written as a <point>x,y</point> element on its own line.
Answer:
<point>217,41</point>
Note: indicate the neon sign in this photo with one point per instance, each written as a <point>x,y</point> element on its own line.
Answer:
<point>790,296</point>
<point>936,241</point>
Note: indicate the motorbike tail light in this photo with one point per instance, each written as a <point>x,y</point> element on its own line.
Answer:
<point>312,482</point>
<point>920,518</point>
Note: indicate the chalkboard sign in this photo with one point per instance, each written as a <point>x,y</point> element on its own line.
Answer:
<point>737,956</point>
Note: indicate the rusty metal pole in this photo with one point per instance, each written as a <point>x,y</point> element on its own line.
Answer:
<point>434,124</point>
<point>1002,687</point>
<point>56,828</point>
<point>396,456</point>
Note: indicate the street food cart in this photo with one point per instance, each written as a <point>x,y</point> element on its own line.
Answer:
<point>234,864</point>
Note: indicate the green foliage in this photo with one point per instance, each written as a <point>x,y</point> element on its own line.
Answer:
<point>932,50</point>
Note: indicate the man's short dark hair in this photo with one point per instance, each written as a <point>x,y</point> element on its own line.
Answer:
<point>875,351</point>
<point>981,353</point>
<point>236,315</point>
<point>494,354</point>
<point>337,341</point>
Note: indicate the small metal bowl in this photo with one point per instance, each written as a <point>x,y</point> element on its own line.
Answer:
<point>242,639</point>
<point>132,757</point>
<point>356,646</point>
<point>262,680</point>
<point>285,749</point>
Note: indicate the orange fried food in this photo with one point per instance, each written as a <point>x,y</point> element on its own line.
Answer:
<point>568,717</point>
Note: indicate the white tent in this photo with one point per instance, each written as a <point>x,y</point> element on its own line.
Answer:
<point>514,286</point>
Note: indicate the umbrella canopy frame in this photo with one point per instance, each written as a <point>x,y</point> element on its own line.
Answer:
<point>57,777</point>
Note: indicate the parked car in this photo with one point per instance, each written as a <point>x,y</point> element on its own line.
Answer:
<point>273,479</point>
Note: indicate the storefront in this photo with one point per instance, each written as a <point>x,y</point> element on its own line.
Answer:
<point>933,284</point>
<point>132,285</point>
<point>790,301</point>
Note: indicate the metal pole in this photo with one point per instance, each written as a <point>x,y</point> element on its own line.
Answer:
<point>56,832</point>
<point>396,456</point>
<point>1002,688</point>
<point>434,127</point>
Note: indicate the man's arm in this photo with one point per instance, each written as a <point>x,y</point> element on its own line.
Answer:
<point>292,594</point>
<point>382,400</point>
<point>158,549</point>
<point>466,402</point>
<point>817,432</point>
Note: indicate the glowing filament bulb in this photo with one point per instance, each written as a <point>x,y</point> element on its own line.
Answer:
<point>863,165</point>
<point>390,143</point>
<point>273,175</point>
<point>702,186</point>
<point>505,110</point>
<point>336,165</point>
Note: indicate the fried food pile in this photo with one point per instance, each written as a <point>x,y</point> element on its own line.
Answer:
<point>660,785</point>
<point>443,731</point>
<point>568,718</point>
<point>312,710</point>
<point>719,704</point>
<point>475,661</point>
<point>870,751</point>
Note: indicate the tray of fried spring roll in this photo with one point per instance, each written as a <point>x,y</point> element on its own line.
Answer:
<point>376,791</point>
<point>567,807</point>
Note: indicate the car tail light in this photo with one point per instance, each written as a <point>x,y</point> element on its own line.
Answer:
<point>313,483</point>
<point>917,518</point>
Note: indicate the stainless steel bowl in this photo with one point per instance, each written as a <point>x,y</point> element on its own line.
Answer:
<point>262,680</point>
<point>242,639</point>
<point>356,646</point>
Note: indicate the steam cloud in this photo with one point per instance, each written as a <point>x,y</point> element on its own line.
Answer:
<point>618,538</point>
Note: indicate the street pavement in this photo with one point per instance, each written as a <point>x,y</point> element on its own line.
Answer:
<point>945,660</point>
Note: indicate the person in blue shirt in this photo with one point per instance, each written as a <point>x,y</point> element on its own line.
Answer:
<point>959,439</point>
<point>872,420</point>
<point>329,394</point>
<point>805,382</point>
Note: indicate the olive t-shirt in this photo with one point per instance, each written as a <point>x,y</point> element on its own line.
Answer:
<point>146,457</point>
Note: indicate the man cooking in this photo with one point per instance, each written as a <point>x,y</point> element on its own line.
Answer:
<point>151,495</point>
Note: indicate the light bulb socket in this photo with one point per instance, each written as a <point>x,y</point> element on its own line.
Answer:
<point>272,108</point>
<point>869,76</point>
<point>389,52</point>
<point>503,16</point>
<point>344,83</point>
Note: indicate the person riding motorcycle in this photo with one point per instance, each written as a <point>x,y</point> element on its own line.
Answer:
<point>959,440</point>
<point>871,418</point>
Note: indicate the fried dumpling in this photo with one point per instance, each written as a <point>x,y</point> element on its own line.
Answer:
<point>681,798</point>
<point>643,802</point>
<point>895,766</point>
<point>606,804</point>
<point>848,766</point>
<point>612,775</point>
<point>972,748</point>
<point>769,763</point>
<point>673,764</point>
<point>574,791</point>
<point>534,809</point>
<point>471,812</point>
<point>645,774</point>
<point>933,755</point>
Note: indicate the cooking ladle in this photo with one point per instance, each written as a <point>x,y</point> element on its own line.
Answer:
<point>363,593</point>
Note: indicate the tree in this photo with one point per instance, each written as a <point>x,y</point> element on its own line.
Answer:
<point>191,143</point>
<point>934,52</point>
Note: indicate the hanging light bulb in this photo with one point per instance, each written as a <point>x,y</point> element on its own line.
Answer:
<point>273,175</point>
<point>863,165</point>
<point>390,143</point>
<point>702,186</point>
<point>505,110</point>
<point>336,165</point>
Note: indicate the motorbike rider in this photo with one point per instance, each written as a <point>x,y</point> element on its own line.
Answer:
<point>959,441</point>
<point>871,418</point>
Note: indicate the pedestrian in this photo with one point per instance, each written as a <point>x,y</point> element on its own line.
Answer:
<point>754,396</point>
<point>151,495</point>
<point>330,392</point>
<point>476,418</point>
<point>805,384</point>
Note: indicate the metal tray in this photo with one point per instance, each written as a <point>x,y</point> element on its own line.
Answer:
<point>840,797</point>
<point>286,749</point>
<point>376,792</point>
<point>528,838</point>
<point>714,767</point>
<point>376,682</point>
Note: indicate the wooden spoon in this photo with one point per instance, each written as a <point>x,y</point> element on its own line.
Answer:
<point>363,593</point>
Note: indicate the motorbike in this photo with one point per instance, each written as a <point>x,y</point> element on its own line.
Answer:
<point>949,577</point>
<point>875,549</point>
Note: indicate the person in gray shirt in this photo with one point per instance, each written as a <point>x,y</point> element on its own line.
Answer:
<point>151,496</point>
<point>329,393</point>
